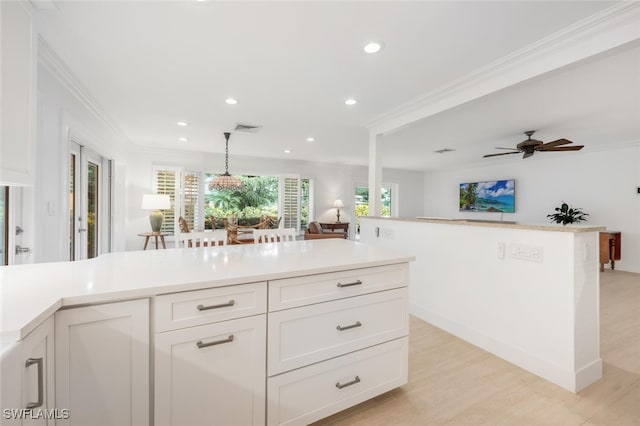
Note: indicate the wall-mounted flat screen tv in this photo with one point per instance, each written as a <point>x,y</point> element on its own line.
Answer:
<point>493,196</point>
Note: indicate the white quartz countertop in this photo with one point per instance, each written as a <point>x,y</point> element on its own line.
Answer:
<point>30,293</point>
<point>496,223</point>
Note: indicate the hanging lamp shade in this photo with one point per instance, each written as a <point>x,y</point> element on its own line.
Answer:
<point>225,182</point>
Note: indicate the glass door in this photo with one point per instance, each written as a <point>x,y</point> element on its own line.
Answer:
<point>85,202</point>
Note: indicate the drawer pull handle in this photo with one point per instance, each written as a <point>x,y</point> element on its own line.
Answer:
<point>221,305</point>
<point>341,328</point>
<point>349,284</point>
<point>353,382</point>
<point>38,362</point>
<point>201,345</point>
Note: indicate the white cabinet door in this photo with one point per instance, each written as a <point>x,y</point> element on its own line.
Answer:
<point>38,390</point>
<point>102,364</point>
<point>211,374</point>
<point>18,44</point>
<point>11,384</point>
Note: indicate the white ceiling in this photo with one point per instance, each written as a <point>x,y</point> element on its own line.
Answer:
<point>291,65</point>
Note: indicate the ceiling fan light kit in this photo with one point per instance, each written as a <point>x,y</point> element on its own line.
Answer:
<point>529,146</point>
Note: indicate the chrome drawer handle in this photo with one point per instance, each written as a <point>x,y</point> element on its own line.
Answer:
<point>349,284</point>
<point>38,362</point>
<point>341,328</point>
<point>201,345</point>
<point>353,382</point>
<point>222,305</point>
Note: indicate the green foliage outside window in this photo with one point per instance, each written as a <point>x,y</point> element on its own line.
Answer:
<point>257,197</point>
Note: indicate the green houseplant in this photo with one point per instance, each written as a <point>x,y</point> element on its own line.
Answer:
<point>566,214</point>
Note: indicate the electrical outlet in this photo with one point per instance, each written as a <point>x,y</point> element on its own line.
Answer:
<point>526,252</point>
<point>386,233</point>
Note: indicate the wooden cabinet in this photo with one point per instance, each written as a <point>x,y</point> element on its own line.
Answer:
<point>610,248</point>
<point>18,64</point>
<point>102,364</point>
<point>210,356</point>
<point>341,337</point>
<point>38,366</point>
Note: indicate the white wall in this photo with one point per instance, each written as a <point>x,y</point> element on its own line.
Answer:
<point>61,113</point>
<point>541,315</point>
<point>602,182</point>
<point>331,181</point>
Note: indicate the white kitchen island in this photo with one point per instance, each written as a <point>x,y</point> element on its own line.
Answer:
<point>527,293</point>
<point>283,333</point>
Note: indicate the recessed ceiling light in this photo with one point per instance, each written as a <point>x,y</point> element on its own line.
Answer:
<point>182,123</point>
<point>373,47</point>
<point>183,139</point>
<point>350,101</point>
<point>287,151</point>
<point>231,101</point>
<point>311,140</point>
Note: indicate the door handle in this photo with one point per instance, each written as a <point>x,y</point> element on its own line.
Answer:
<point>348,327</point>
<point>40,401</point>
<point>82,230</point>
<point>20,249</point>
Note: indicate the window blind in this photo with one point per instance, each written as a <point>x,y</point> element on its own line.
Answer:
<point>291,202</point>
<point>191,190</point>
<point>165,183</point>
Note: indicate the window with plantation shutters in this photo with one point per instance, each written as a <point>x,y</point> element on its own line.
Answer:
<point>191,194</point>
<point>290,201</point>
<point>165,182</point>
<point>184,190</point>
<point>306,203</point>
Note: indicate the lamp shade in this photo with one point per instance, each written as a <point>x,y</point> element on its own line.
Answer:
<point>156,202</point>
<point>338,203</point>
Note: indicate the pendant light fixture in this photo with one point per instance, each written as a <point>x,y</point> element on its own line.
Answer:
<point>226,182</point>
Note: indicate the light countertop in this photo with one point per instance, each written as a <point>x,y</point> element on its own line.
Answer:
<point>496,224</point>
<point>30,293</point>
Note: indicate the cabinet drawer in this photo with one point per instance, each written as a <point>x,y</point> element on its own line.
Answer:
<point>299,291</point>
<point>211,374</point>
<point>180,310</point>
<point>312,393</point>
<point>302,336</point>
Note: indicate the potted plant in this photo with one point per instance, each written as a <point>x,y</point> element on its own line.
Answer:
<point>566,214</point>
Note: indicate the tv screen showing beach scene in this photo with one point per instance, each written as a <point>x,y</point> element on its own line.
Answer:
<point>493,196</point>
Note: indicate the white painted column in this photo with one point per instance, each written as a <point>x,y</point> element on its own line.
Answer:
<point>375,174</point>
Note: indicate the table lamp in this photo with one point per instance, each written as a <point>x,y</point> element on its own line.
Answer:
<point>156,202</point>
<point>338,204</point>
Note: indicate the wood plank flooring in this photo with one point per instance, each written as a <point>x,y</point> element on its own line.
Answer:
<point>452,382</point>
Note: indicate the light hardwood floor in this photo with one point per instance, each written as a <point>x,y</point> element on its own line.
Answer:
<point>452,382</point>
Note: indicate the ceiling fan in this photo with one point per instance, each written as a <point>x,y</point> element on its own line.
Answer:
<point>530,146</point>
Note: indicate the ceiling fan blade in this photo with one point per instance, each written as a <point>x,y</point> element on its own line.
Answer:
<point>504,153</point>
<point>546,146</point>
<point>566,148</point>
<point>510,149</point>
<point>527,155</point>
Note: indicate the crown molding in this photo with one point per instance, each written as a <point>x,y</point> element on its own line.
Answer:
<point>605,30</point>
<point>54,64</point>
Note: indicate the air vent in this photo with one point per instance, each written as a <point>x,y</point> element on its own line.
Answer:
<point>249,128</point>
<point>444,150</point>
